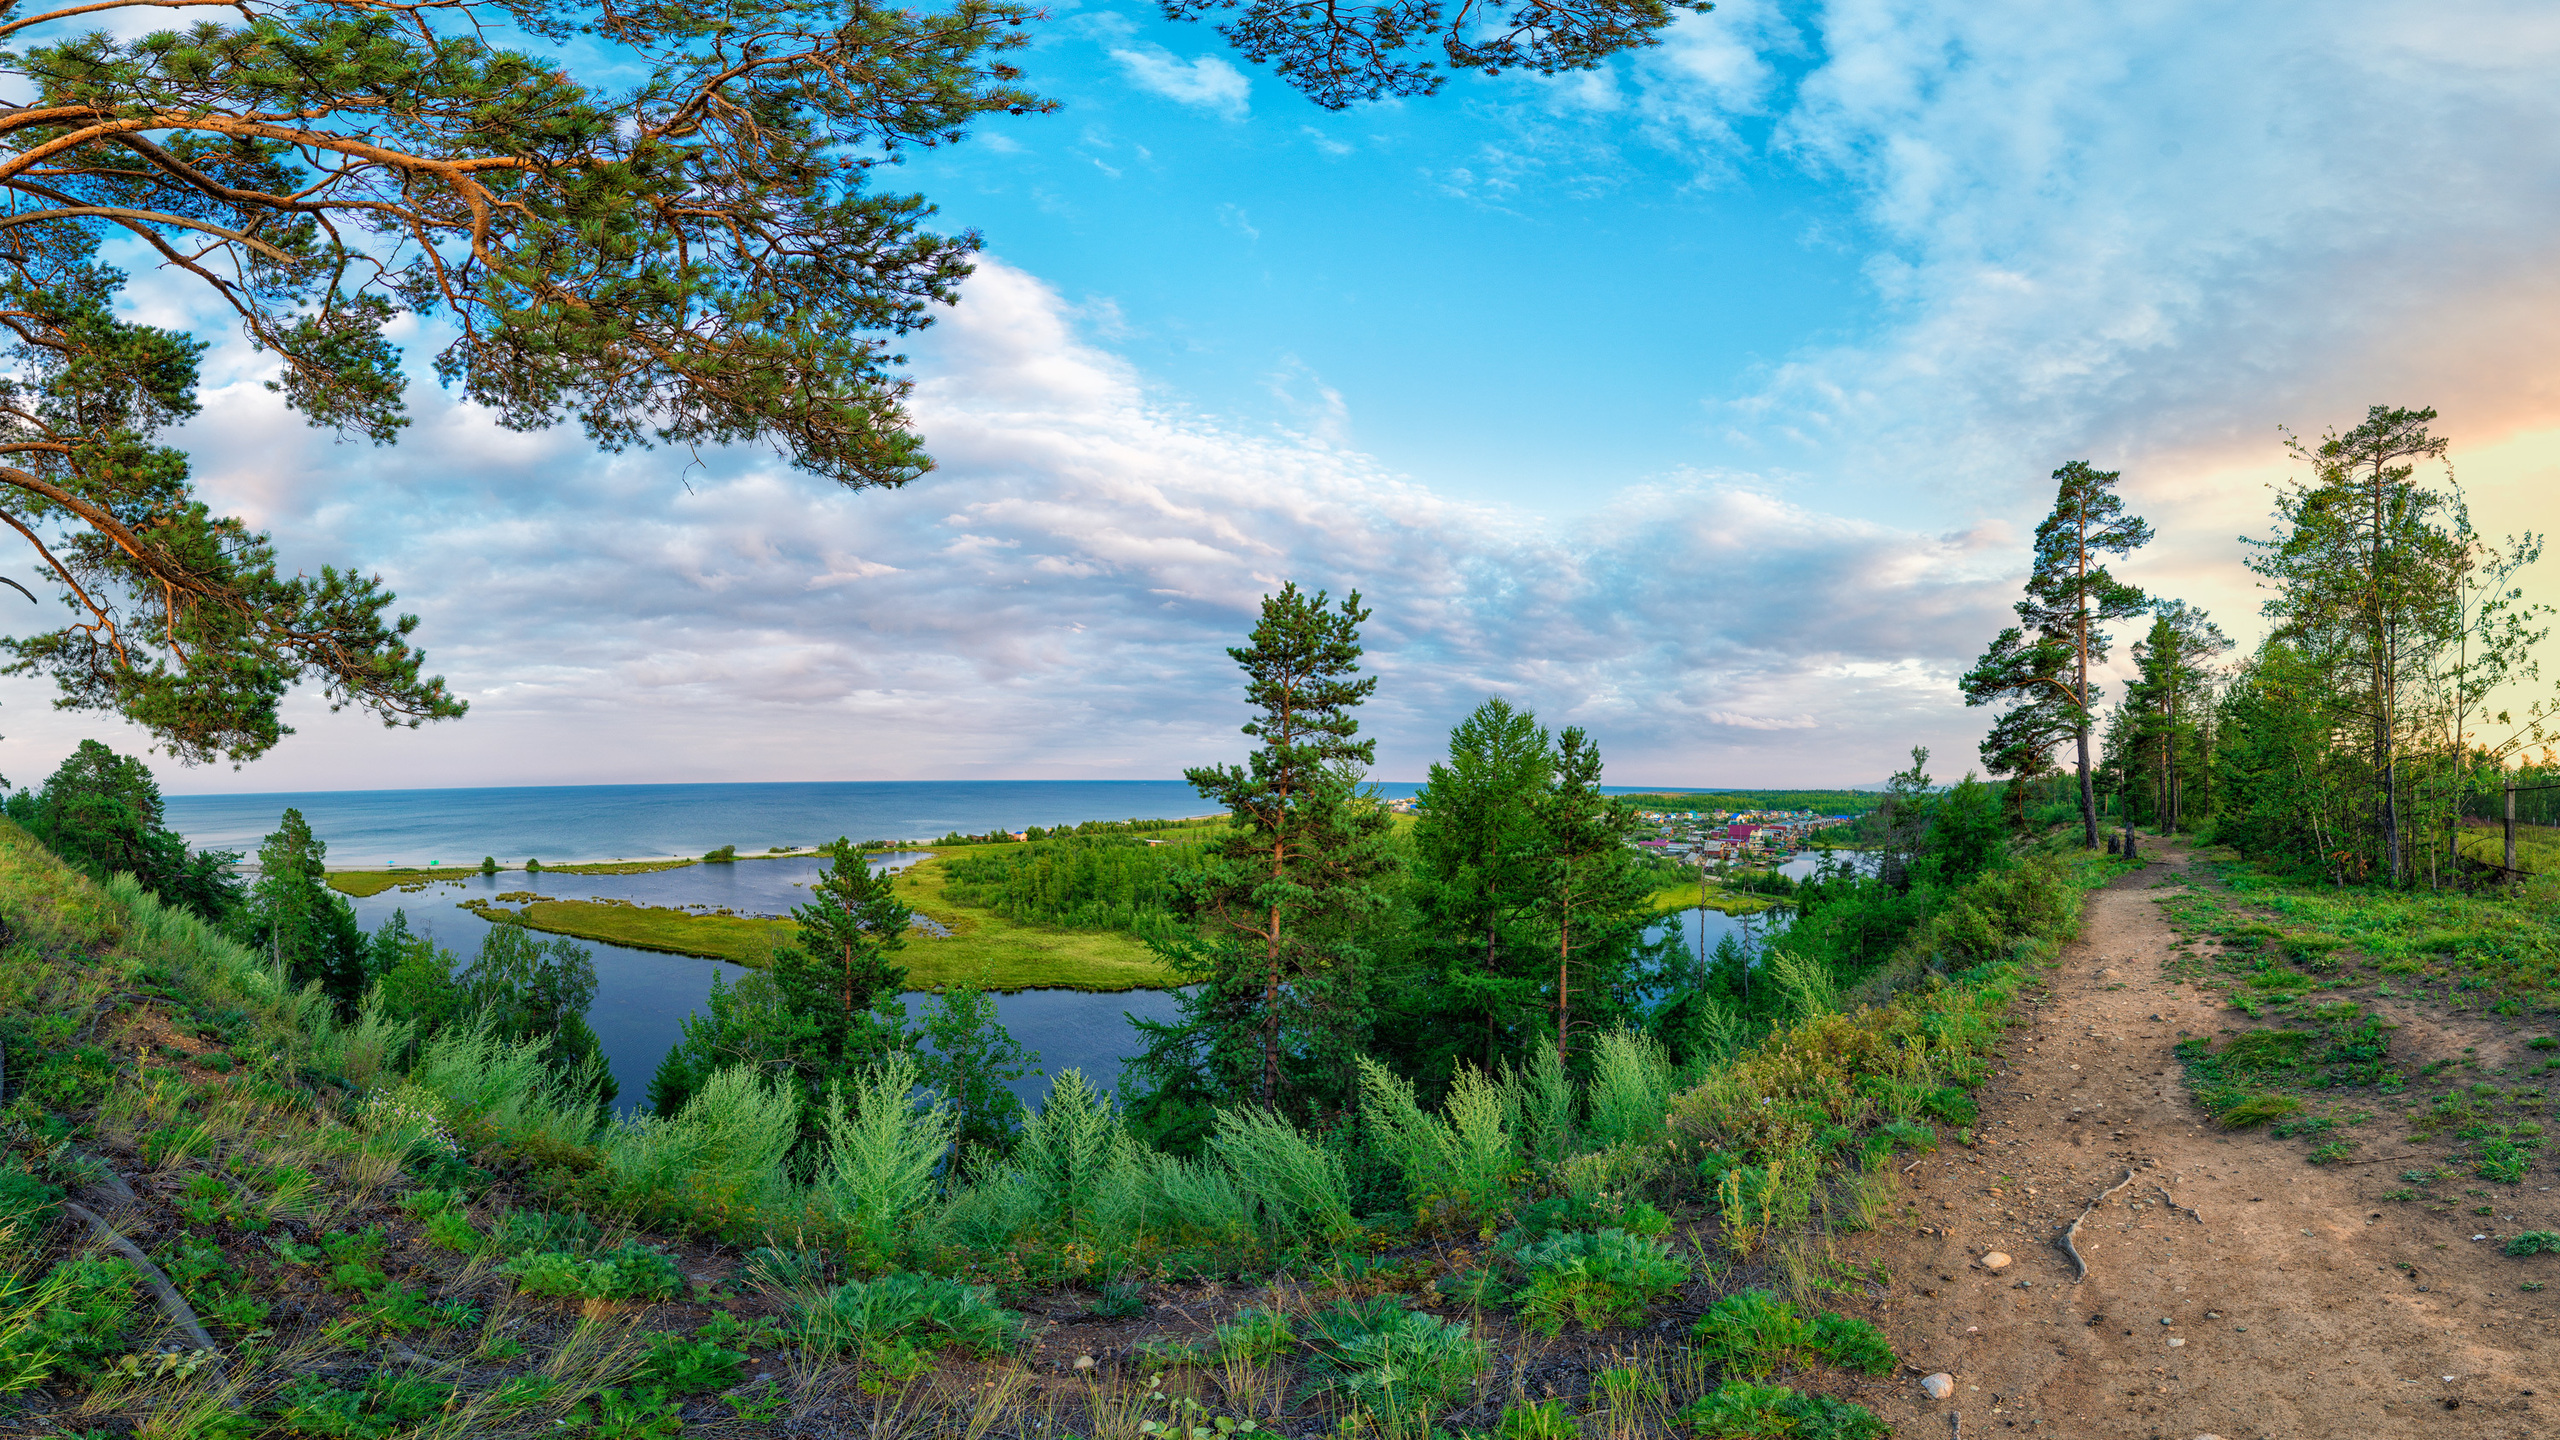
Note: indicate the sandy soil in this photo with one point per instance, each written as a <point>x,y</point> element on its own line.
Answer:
<point>2233,1290</point>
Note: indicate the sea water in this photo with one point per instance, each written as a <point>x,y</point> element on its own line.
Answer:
<point>562,824</point>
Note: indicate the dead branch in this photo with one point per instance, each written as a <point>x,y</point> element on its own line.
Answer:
<point>172,1304</point>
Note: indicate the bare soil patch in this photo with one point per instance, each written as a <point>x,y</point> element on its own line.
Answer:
<point>2233,1288</point>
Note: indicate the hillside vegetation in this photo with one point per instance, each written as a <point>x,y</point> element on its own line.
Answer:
<point>364,1236</point>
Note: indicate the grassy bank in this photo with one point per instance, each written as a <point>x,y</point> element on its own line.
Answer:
<point>379,1238</point>
<point>364,884</point>
<point>2417,1025</point>
<point>361,883</point>
<point>1714,897</point>
<point>741,938</point>
<point>1012,955</point>
<point>982,949</point>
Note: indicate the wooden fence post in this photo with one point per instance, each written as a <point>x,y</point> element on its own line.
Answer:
<point>2511,825</point>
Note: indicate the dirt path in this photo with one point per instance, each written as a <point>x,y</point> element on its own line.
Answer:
<point>2233,1289</point>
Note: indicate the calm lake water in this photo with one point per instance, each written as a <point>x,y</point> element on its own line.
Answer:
<point>643,997</point>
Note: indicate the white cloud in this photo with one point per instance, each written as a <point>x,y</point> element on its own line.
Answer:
<point>1057,598</point>
<point>2145,237</point>
<point>1208,83</point>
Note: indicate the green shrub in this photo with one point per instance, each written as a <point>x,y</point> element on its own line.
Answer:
<point>1951,1105</point>
<point>2535,1242</point>
<point>1192,1202</point>
<point>522,1232</point>
<point>632,1271</point>
<point>27,1204</point>
<point>2258,1109</point>
<point>1757,1333</point>
<point>82,1326</point>
<point>388,1406</point>
<point>1073,1170</point>
<point>1595,1279</point>
<point>1299,1184</point>
<point>636,1414</point>
<point>1752,1331</point>
<point>1741,1410</point>
<point>1254,1334</point>
<point>883,1155</point>
<point>1457,1167</point>
<point>1629,1093</point>
<point>2504,1161</point>
<point>453,1230</point>
<point>1390,1359</point>
<point>900,1312</point>
<point>1537,1420</point>
<point>1852,1344</point>
<point>689,1366</point>
<point>1893,1135</point>
<point>1475,1287</point>
<point>716,1162</point>
<point>427,1203</point>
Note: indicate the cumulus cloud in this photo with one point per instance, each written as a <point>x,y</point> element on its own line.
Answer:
<point>2143,236</point>
<point>1208,83</point>
<point>1057,598</point>
<point>2151,233</point>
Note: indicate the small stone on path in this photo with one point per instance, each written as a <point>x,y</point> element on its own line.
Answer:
<point>1939,1386</point>
<point>1995,1262</point>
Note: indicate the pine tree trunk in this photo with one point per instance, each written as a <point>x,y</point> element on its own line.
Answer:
<point>2088,792</point>
<point>1564,981</point>
<point>1271,1018</point>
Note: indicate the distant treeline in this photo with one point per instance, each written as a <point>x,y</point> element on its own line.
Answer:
<point>1821,802</point>
<point>1075,879</point>
<point>1056,832</point>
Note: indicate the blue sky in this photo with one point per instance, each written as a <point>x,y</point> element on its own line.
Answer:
<point>1706,401</point>
<point>1463,265</point>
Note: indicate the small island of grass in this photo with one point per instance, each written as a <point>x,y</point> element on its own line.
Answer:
<point>981,948</point>
<point>1731,902</point>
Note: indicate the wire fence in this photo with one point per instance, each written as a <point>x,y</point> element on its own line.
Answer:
<point>2531,847</point>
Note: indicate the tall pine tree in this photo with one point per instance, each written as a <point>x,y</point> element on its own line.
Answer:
<point>839,982</point>
<point>1477,848</point>
<point>302,924</point>
<point>2044,662</point>
<point>2369,568</point>
<point>1596,901</point>
<point>1274,956</point>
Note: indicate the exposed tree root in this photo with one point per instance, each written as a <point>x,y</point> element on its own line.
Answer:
<point>2174,1205</point>
<point>2072,1234</point>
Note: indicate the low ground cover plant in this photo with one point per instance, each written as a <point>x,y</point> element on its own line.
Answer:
<point>488,1185</point>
